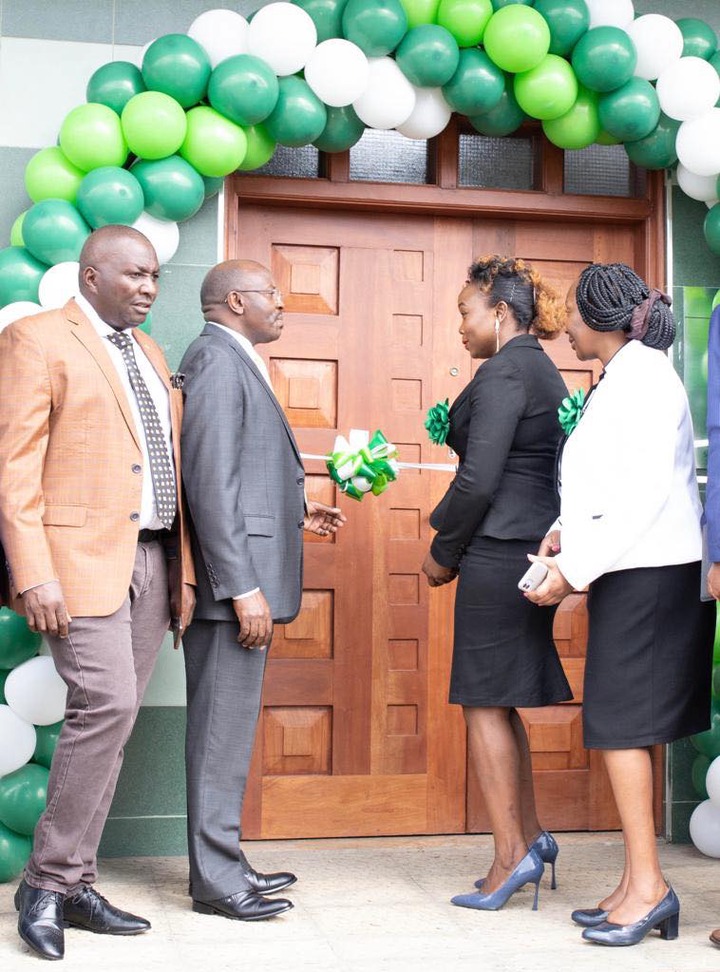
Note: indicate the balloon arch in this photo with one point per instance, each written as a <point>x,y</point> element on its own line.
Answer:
<point>151,144</point>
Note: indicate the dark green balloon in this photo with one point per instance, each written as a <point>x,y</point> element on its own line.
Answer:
<point>17,641</point>
<point>376,26</point>
<point>114,84</point>
<point>326,15</point>
<point>604,59</point>
<point>656,150</point>
<point>14,853</point>
<point>299,116</point>
<point>631,112</point>
<point>110,195</point>
<point>20,275</point>
<point>506,117</point>
<point>3,678</point>
<point>498,4</point>
<point>23,795</point>
<point>711,229</point>
<point>47,736</point>
<point>568,20</point>
<point>716,668</point>
<point>708,742</point>
<point>698,775</point>
<point>428,56</point>
<point>178,66</point>
<point>213,185</point>
<point>700,39</point>
<point>715,61</point>
<point>244,89</point>
<point>172,188</point>
<point>476,86</point>
<point>54,231</point>
<point>342,130</point>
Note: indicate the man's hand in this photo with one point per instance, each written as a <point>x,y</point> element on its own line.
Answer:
<point>436,574</point>
<point>550,544</point>
<point>713,581</point>
<point>323,520</point>
<point>553,589</point>
<point>256,625</point>
<point>45,609</point>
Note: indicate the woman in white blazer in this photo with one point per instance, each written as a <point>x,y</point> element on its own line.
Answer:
<point>629,527</point>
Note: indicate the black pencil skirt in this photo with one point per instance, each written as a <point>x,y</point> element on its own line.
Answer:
<point>503,652</point>
<point>649,657</point>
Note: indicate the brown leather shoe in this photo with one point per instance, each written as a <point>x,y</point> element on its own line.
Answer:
<point>715,937</point>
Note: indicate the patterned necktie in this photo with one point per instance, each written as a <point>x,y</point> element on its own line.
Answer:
<point>160,466</point>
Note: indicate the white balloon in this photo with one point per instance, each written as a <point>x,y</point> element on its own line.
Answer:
<point>35,691</point>
<point>698,143</point>
<point>712,782</point>
<point>17,740</point>
<point>611,13</point>
<point>688,88</point>
<point>388,99</point>
<point>163,234</point>
<point>59,284</point>
<point>429,116</point>
<point>338,72</point>
<point>283,35</point>
<point>702,188</point>
<point>16,310</point>
<point>705,828</point>
<point>223,33</point>
<point>658,42</point>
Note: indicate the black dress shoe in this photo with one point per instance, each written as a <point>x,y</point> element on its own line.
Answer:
<point>263,883</point>
<point>40,922</point>
<point>244,906</point>
<point>88,909</point>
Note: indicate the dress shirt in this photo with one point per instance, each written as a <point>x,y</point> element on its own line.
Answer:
<point>712,493</point>
<point>149,520</point>
<point>629,495</point>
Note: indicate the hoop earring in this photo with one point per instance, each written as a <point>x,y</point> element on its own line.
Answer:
<point>497,334</point>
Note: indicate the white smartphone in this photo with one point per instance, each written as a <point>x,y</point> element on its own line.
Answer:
<point>533,577</point>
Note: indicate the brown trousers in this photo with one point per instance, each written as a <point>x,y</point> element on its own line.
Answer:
<point>106,664</point>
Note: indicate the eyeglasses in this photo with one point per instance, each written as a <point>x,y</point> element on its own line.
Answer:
<point>274,293</point>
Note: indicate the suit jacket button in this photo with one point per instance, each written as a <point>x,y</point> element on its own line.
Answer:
<point>136,468</point>
<point>301,524</point>
<point>134,517</point>
<point>300,481</point>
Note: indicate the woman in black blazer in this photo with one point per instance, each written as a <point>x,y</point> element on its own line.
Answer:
<point>504,427</point>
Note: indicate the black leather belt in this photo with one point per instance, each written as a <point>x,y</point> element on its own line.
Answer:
<point>149,536</point>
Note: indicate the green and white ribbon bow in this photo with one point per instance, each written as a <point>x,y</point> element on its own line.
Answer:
<point>361,464</point>
<point>570,410</point>
<point>437,422</point>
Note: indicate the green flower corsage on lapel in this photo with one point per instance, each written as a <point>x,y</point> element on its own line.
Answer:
<point>570,410</point>
<point>437,422</point>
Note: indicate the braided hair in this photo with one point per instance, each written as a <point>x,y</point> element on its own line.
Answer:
<point>536,306</point>
<point>612,297</point>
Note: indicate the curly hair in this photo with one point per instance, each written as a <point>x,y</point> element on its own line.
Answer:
<point>536,306</point>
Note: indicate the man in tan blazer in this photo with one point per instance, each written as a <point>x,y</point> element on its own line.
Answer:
<point>96,548</point>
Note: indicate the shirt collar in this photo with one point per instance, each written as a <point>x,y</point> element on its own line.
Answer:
<point>103,329</point>
<point>244,342</point>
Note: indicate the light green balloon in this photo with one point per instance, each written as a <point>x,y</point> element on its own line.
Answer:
<point>213,145</point>
<point>91,136</point>
<point>260,148</point>
<point>51,175</point>
<point>154,125</point>
<point>548,90</point>
<point>420,12</point>
<point>577,128</point>
<point>465,19</point>
<point>517,38</point>
<point>16,237</point>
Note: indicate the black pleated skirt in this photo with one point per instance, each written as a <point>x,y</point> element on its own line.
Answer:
<point>649,657</point>
<point>503,652</point>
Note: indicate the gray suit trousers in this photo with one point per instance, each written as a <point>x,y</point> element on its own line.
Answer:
<point>224,687</point>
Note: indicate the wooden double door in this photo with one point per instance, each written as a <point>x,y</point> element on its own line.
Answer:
<point>356,736</point>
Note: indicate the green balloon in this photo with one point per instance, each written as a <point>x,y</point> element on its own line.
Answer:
<point>698,775</point>
<point>55,231</point>
<point>110,195</point>
<point>700,39</point>
<point>506,117</point>
<point>178,66</point>
<point>299,116</point>
<point>420,12</point>
<point>91,136</point>
<point>326,15</point>
<point>428,56</point>
<point>716,677</point>
<point>114,84</point>
<point>20,275</point>
<point>154,125</point>
<point>656,150</point>
<point>14,853</point>
<point>16,237</point>
<point>17,641</point>
<point>244,89</point>
<point>51,175</point>
<point>342,130</point>
<point>146,325</point>
<point>260,148</point>
<point>604,59</point>
<point>476,86</point>
<point>711,229</point>
<point>214,145</point>
<point>549,90</point>
<point>716,668</point>
<point>577,128</point>
<point>517,38</point>
<point>605,138</point>
<point>376,26</point>
<point>568,20</point>
<point>708,742</point>
<point>172,188</point>
<point>499,4</point>
<point>213,185</point>
<point>715,61</point>
<point>23,795</point>
<point>631,112</point>
<point>3,678</point>
<point>47,736</point>
<point>465,19</point>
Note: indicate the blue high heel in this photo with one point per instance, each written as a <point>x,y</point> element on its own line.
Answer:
<point>546,847</point>
<point>528,871</point>
<point>665,916</point>
<point>589,917</point>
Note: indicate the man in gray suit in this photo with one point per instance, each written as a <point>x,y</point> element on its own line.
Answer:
<point>245,490</point>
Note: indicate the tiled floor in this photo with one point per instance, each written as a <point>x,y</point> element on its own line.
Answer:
<point>382,905</point>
